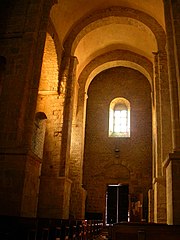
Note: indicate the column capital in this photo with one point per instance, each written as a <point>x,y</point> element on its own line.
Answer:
<point>160,180</point>
<point>172,156</point>
<point>155,53</point>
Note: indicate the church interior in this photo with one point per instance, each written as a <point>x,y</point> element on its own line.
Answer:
<point>90,111</point>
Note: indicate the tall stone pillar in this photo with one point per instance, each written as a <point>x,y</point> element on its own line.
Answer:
<point>160,140</point>
<point>159,200</point>
<point>151,205</point>
<point>157,119</point>
<point>172,168</point>
<point>58,186</point>
<point>68,89</point>
<point>172,165</point>
<point>171,9</point>
<point>78,193</point>
<point>22,41</point>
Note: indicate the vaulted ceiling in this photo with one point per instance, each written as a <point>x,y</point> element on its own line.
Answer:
<point>89,29</point>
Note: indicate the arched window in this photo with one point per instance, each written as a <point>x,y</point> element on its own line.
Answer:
<point>39,134</point>
<point>119,118</point>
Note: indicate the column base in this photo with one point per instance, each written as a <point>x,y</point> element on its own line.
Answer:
<point>172,170</point>
<point>54,197</point>
<point>19,183</point>
<point>151,205</point>
<point>78,199</point>
<point>160,215</point>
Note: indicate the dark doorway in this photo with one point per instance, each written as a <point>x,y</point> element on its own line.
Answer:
<point>117,203</point>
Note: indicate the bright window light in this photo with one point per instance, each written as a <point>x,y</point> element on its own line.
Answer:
<point>119,118</point>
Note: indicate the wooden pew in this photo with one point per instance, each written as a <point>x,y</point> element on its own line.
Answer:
<point>145,231</point>
<point>48,229</point>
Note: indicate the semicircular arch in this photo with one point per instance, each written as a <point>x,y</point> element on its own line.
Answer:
<point>107,16</point>
<point>113,59</point>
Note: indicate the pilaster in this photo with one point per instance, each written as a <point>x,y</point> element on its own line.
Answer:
<point>54,198</point>
<point>151,205</point>
<point>160,200</point>
<point>19,183</point>
<point>22,45</point>
<point>78,194</point>
<point>171,13</point>
<point>157,119</point>
<point>172,171</point>
<point>67,89</point>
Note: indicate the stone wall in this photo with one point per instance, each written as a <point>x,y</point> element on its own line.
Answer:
<point>23,27</point>
<point>132,165</point>
<point>19,184</point>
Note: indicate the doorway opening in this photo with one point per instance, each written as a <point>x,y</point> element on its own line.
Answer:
<point>117,203</point>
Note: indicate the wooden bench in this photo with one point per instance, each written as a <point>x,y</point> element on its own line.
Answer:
<point>48,229</point>
<point>145,231</point>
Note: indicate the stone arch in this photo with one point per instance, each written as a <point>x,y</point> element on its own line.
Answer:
<point>50,68</point>
<point>106,16</point>
<point>57,44</point>
<point>115,58</point>
<point>103,62</point>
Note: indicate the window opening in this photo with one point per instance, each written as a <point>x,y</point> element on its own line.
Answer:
<point>119,118</point>
<point>39,134</point>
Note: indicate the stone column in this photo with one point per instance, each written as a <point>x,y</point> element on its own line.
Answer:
<point>161,133</point>
<point>72,139</point>
<point>78,193</point>
<point>172,168</point>
<point>171,10</point>
<point>58,187</point>
<point>68,89</point>
<point>151,205</point>
<point>21,43</point>
<point>172,165</point>
<point>159,200</point>
<point>165,107</point>
<point>157,119</point>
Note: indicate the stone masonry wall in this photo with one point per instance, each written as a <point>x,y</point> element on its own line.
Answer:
<point>51,105</point>
<point>23,26</point>
<point>101,165</point>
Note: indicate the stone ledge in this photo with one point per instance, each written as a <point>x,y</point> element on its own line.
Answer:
<point>172,156</point>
